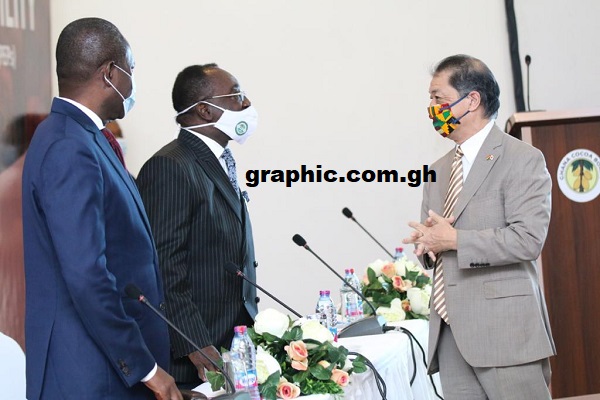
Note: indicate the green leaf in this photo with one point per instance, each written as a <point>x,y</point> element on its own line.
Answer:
<point>320,372</point>
<point>216,380</point>
<point>423,280</point>
<point>371,275</point>
<point>359,365</point>
<point>293,334</point>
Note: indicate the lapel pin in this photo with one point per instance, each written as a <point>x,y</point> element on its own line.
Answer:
<point>489,157</point>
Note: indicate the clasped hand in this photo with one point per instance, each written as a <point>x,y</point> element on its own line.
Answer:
<point>435,235</point>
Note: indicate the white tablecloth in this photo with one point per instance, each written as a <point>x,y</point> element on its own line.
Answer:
<point>391,355</point>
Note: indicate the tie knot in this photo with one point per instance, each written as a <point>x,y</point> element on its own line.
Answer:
<point>459,153</point>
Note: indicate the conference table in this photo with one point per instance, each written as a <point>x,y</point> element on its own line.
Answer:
<point>391,354</point>
<point>392,357</point>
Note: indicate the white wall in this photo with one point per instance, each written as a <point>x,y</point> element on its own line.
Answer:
<point>343,84</point>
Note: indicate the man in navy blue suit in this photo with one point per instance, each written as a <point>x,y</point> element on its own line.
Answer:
<point>86,236</point>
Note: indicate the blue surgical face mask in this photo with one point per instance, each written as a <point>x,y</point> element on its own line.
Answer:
<point>129,102</point>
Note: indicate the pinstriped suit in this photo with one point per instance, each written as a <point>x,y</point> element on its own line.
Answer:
<point>496,307</point>
<point>199,224</point>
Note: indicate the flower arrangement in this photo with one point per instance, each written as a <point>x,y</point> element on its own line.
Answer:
<point>399,290</point>
<point>299,358</point>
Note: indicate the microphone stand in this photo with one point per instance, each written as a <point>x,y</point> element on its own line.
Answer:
<point>134,292</point>
<point>348,214</point>
<point>233,269</point>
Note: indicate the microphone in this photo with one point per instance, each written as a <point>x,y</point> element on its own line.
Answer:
<point>527,62</point>
<point>346,211</point>
<point>133,292</point>
<point>234,270</point>
<point>366,326</point>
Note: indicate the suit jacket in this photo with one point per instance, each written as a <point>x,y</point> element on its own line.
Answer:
<point>86,236</point>
<point>495,306</point>
<point>199,224</point>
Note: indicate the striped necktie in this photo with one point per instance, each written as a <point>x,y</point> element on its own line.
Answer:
<point>114,144</point>
<point>231,170</point>
<point>454,188</point>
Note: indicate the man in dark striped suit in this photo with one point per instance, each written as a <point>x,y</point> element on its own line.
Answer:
<point>199,218</point>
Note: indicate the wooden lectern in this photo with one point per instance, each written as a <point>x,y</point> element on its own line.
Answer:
<point>570,261</point>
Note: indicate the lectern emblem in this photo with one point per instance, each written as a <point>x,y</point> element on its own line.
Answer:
<point>578,174</point>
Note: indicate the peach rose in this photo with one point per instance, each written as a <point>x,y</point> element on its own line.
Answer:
<point>297,350</point>
<point>300,365</point>
<point>406,305</point>
<point>287,390</point>
<point>340,377</point>
<point>324,363</point>
<point>388,270</point>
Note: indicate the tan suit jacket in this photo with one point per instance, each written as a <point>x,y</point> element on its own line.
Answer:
<point>496,308</point>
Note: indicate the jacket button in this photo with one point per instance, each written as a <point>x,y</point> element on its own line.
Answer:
<point>257,299</point>
<point>255,264</point>
<point>162,306</point>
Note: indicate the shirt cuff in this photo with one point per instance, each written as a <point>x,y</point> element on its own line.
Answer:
<point>150,374</point>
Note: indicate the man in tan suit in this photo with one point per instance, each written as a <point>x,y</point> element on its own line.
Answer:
<point>485,221</point>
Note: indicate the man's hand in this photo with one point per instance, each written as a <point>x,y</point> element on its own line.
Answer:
<point>163,386</point>
<point>202,363</point>
<point>433,236</point>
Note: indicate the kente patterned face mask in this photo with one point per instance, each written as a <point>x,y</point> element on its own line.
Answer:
<point>443,118</point>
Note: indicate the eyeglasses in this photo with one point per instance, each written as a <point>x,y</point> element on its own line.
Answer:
<point>240,96</point>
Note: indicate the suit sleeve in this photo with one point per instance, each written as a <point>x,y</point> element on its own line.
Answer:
<point>526,208</point>
<point>168,198</point>
<point>72,198</point>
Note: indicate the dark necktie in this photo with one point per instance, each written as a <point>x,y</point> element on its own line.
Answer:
<point>114,144</point>
<point>454,189</point>
<point>231,171</point>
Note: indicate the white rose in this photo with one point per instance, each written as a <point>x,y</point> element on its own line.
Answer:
<point>271,321</point>
<point>312,329</point>
<point>393,313</point>
<point>419,300</point>
<point>401,266</point>
<point>266,365</point>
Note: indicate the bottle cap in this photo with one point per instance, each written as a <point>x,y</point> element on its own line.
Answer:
<point>399,249</point>
<point>351,270</point>
<point>347,271</point>
<point>240,329</point>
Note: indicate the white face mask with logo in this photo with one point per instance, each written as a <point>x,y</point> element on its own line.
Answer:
<point>238,125</point>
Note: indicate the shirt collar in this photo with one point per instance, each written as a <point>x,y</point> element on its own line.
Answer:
<point>91,115</point>
<point>471,146</point>
<point>215,147</point>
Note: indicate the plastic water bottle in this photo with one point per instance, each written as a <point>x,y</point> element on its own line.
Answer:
<point>327,312</point>
<point>349,299</point>
<point>243,358</point>
<point>399,254</point>
<point>357,284</point>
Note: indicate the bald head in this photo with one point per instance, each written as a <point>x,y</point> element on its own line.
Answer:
<point>84,45</point>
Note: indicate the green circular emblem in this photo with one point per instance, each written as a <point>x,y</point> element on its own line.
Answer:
<point>241,128</point>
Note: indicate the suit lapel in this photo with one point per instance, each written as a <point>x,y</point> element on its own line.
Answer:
<point>488,154</point>
<point>213,169</point>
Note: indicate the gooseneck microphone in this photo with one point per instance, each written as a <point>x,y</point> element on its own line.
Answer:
<point>527,62</point>
<point>233,269</point>
<point>372,325</point>
<point>346,211</point>
<point>299,240</point>
<point>133,292</point>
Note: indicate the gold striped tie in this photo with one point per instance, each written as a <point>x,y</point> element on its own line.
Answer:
<point>454,188</point>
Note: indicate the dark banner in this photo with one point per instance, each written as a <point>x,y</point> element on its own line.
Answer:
<point>25,76</point>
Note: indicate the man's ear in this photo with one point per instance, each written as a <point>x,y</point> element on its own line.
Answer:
<point>204,112</point>
<point>474,98</point>
<point>107,70</point>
